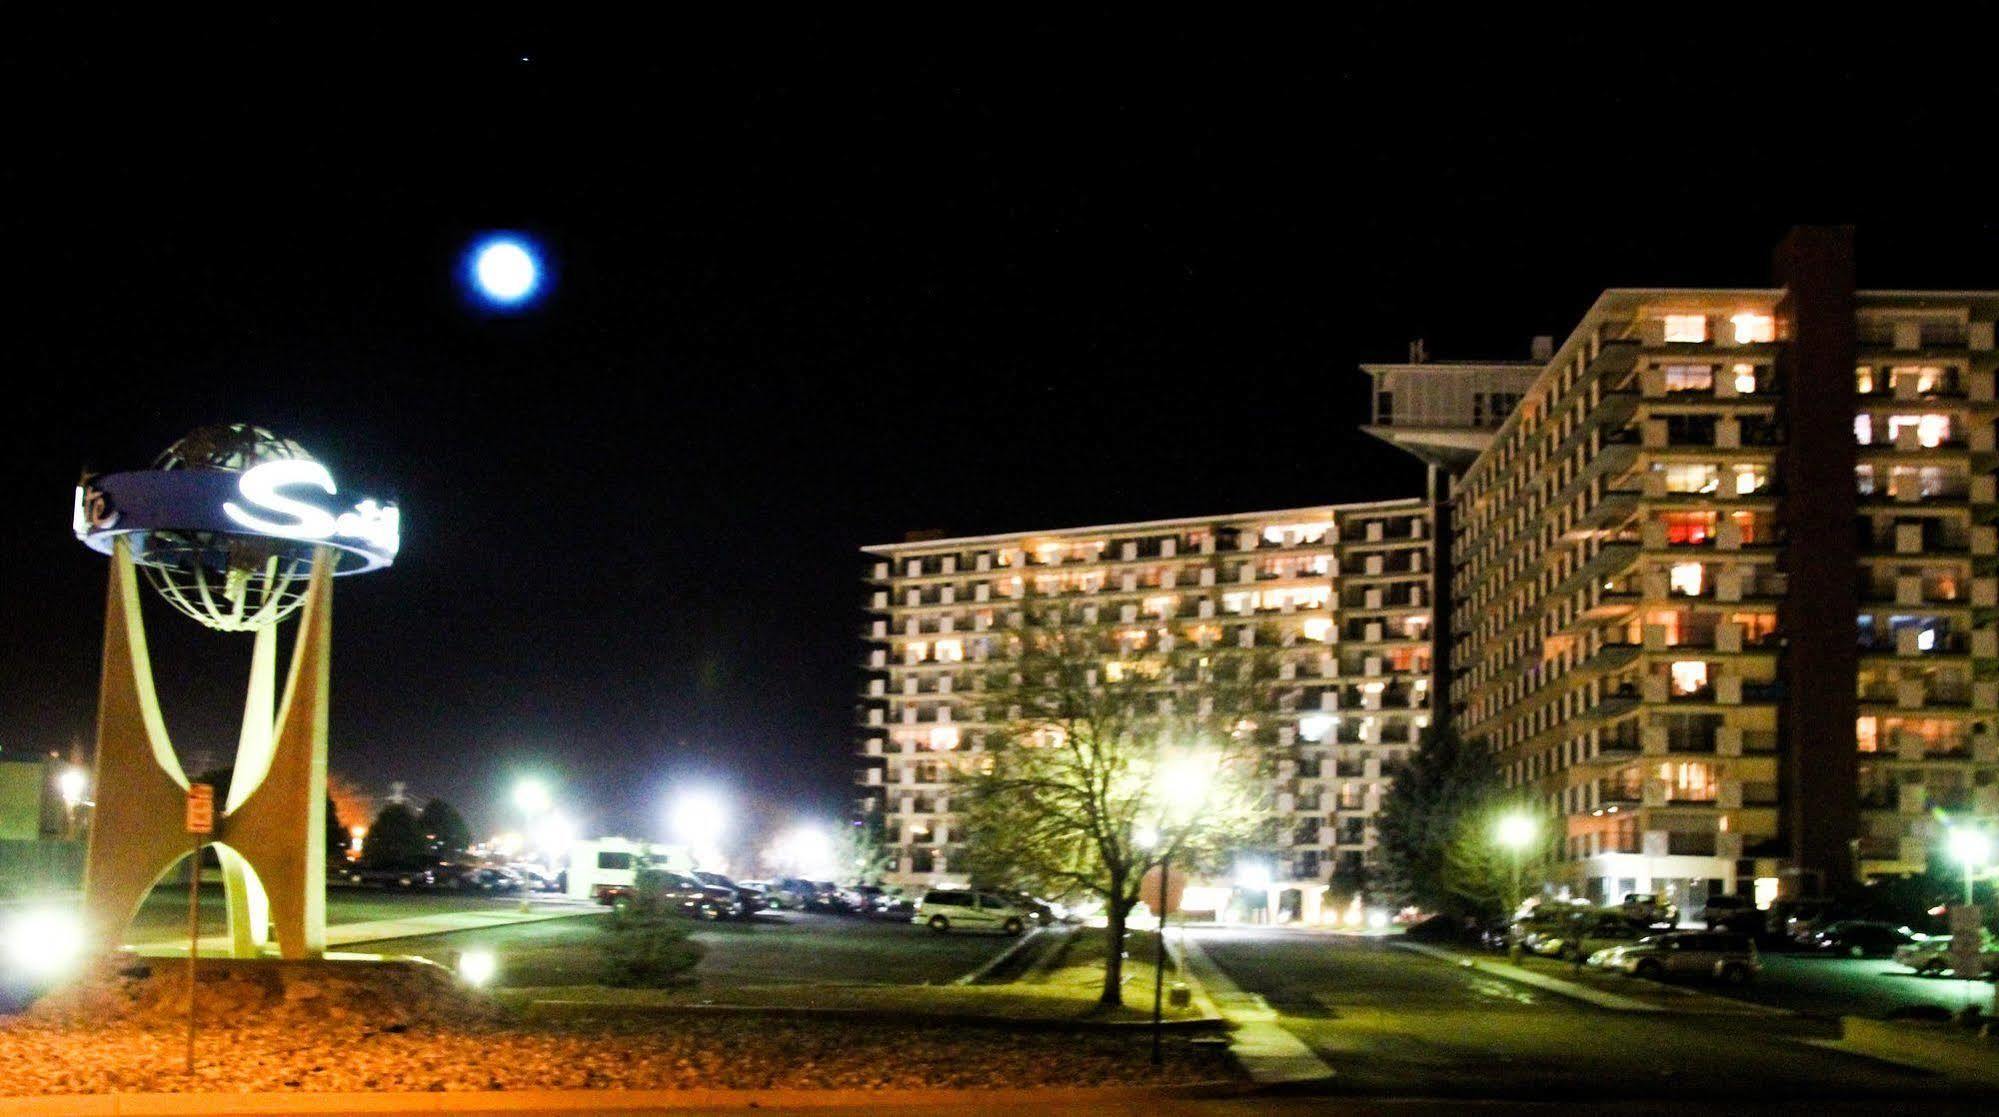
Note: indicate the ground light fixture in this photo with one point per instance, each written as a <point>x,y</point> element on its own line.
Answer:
<point>477,967</point>
<point>41,943</point>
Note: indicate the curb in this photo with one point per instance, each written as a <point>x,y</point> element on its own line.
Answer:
<point>1000,959</point>
<point>1951,1054</point>
<point>1543,982</point>
<point>1260,1044</point>
<point>574,1101</point>
<point>875,1015</point>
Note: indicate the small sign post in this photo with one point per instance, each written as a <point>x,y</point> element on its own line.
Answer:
<point>200,823</point>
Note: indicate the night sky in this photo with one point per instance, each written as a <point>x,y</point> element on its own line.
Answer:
<point>821,283</point>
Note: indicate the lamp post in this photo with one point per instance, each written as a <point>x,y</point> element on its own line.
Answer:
<point>1182,787</point>
<point>1972,849</point>
<point>1515,833</point>
<point>72,784</point>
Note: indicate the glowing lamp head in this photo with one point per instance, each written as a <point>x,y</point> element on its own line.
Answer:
<point>532,797</point>
<point>505,271</point>
<point>698,819</point>
<point>1515,832</point>
<point>72,784</point>
<point>1970,848</point>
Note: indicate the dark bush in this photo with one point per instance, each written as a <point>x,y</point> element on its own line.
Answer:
<point>647,950</point>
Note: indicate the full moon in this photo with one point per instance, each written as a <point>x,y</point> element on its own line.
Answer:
<point>505,271</point>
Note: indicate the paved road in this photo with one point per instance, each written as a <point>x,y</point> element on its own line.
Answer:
<point>1399,1025</point>
<point>773,948</point>
<point>1855,986</point>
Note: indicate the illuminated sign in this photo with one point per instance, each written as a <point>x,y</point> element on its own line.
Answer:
<point>284,499</point>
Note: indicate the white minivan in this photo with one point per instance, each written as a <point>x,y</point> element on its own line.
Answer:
<point>957,909</point>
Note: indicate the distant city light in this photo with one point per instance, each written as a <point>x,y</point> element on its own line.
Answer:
<point>506,271</point>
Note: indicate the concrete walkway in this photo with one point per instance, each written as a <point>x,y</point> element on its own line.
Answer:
<point>377,930</point>
<point>1267,1051</point>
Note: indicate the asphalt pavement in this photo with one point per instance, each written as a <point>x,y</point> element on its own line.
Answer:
<point>1395,1024</point>
<point>768,949</point>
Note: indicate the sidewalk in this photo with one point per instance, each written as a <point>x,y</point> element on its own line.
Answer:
<point>375,930</point>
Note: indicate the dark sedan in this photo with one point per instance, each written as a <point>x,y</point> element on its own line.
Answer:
<point>1860,938</point>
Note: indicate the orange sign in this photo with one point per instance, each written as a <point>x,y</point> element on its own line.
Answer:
<point>200,809</point>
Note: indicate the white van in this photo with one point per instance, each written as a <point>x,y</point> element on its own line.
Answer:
<point>956,909</point>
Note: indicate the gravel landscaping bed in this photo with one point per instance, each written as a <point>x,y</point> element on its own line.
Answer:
<point>43,1057</point>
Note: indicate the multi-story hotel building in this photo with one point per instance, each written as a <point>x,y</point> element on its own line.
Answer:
<point>1340,593</point>
<point>1723,585</point>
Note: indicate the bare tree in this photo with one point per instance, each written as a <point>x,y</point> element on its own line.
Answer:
<point>1120,747</point>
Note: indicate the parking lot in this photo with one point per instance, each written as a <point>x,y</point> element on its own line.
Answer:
<point>770,948</point>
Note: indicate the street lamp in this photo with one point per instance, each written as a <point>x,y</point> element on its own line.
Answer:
<point>72,784</point>
<point>1515,832</point>
<point>698,820</point>
<point>532,797</point>
<point>1972,849</point>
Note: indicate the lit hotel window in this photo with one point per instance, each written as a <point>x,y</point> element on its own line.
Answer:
<point>1863,380</point>
<point>1686,578</point>
<point>1686,327</point>
<point>1745,379</point>
<point>1317,628</point>
<point>950,651</point>
<point>1689,676</point>
<point>1689,378</point>
<point>944,738</point>
<point>1748,479</point>
<point>915,651</point>
<point>1754,329</point>
<point>1867,735</point>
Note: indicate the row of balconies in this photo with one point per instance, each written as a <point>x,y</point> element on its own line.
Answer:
<point>1917,800</point>
<point>1725,794</point>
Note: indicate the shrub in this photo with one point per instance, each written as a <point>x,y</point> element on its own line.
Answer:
<point>647,950</point>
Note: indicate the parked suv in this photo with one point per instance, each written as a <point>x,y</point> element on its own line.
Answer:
<point>1649,909</point>
<point>1733,913</point>
<point>1711,954</point>
<point>950,909</point>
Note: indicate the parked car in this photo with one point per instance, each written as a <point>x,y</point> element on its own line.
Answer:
<point>1930,956</point>
<point>1733,913</point>
<point>893,904</point>
<point>952,909</point>
<point>1649,909</point>
<point>828,897</point>
<point>748,901</point>
<point>1581,936</point>
<point>391,878</point>
<point>1706,954</point>
<point>485,878</point>
<point>676,893</point>
<point>1044,913</point>
<point>1861,938</point>
<point>791,893</point>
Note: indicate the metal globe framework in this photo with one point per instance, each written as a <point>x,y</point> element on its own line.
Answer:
<point>227,581</point>
<point>232,572</point>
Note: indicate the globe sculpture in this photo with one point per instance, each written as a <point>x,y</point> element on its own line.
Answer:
<point>240,530</point>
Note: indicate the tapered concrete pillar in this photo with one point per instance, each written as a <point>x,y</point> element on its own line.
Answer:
<point>271,836</point>
<point>137,830</point>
